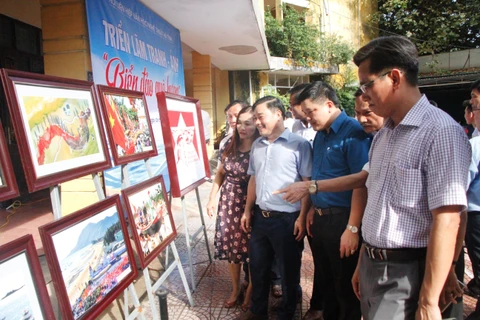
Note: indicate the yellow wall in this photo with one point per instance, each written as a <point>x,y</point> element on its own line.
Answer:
<point>27,11</point>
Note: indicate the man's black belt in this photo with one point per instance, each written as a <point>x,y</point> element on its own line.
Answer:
<point>272,214</point>
<point>331,210</point>
<point>403,254</point>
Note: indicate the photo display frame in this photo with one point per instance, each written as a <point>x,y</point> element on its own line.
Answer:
<point>90,258</point>
<point>184,141</point>
<point>128,124</point>
<point>23,293</point>
<point>57,126</point>
<point>8,184</point>
<point>150,218</point>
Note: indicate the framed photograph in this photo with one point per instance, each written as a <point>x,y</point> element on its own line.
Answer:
<point>8,184</point>
<point>23,293</point>
<point>150,218</point>
<point>90,258</point>
<point>184,142</point>
<point>128,124</point>
<point>57,126</point>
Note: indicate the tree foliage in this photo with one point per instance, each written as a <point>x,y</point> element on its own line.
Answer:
<point>293,38</point>
<point>433,25</point>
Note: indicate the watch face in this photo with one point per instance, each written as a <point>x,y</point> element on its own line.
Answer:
<point>312,188</point>
<point>354,229</point>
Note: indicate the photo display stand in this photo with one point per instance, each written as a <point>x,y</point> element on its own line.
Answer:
<point>152,288</point>
<point>57,214</point>
<point>187,160</point>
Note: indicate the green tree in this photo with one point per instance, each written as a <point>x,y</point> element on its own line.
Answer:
<point>294,39</point>
<point>433,25</point>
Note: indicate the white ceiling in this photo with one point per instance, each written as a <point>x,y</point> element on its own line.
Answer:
<point>208,25</point>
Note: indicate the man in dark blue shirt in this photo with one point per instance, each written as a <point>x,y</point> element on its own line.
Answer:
<point>340,148</point>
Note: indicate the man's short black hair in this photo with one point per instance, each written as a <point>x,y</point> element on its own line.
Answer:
<point>319,91</point>
<point>390,52</point>
<point>295,92</point>
<point>467,105</point>
<point>242,103</point>
<point>476,85</point>
<point>273,104</point>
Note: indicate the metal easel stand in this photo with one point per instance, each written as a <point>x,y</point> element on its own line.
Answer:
<point>137,311</point>
<point>192,239</point>
<point>175,264</point>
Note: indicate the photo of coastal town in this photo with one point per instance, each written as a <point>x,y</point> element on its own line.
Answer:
<point>151,217</point>
<point>94,264</point>
<point>18,297</point>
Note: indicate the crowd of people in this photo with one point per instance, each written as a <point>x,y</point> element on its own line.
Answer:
<point>385,200</point>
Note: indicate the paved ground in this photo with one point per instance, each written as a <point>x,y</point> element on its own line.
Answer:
<point>212,280</point>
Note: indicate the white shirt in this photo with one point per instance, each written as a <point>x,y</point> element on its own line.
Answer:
<point>306,132</point>
<point>475,133</point>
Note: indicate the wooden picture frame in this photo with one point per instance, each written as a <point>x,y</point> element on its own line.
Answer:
<point>128,124</point>
<point>23,292</point>
<point>90,258</point>
<point>57,126</point>
<point>184,141</point>
<point>8,184</point>
<point>150,218</point>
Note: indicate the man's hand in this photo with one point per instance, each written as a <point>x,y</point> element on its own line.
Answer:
<point>210,208</point>
<point>245,221</point>
<point>348,243</point>
<point>428,312</point>
<point>356,281</point>
<point>451,290</point>
<point>294,192</point>
<point>299,229</point>
<point>309,220</point>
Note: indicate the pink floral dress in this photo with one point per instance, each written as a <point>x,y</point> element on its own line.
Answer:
<point>231,242</point>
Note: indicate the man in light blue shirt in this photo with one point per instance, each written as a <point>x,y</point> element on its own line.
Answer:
<point>277,159</point>
<point>472,235</point>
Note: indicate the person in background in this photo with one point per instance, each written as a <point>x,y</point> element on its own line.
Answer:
<point>416,191</point>
<point>469,119</point>
<point>231,112</point>
<point>301,125</point>
<point>370,121</point>
<point>278,158</point>
<point>231,242</point>
<point>288,122</point>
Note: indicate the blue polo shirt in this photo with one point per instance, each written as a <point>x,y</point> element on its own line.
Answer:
<point>276,165</point>
<point>342,151</point>
<point>473,193</point>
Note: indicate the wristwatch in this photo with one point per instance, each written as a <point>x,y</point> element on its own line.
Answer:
<point>312,188</point>
<point>353,229</point>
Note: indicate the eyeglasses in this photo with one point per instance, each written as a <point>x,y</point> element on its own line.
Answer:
<point>369,84</point>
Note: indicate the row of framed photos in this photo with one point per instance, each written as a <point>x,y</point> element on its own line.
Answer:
<point>59,130</point>
<point>88,253</point>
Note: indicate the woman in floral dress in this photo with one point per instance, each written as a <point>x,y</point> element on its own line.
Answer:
<point>231,242</point>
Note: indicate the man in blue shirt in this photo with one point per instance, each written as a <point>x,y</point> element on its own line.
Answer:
<point>277,159</point>
<point>472,235</point>
<point>340,148</point>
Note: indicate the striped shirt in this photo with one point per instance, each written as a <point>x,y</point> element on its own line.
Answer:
<point>418,166</point>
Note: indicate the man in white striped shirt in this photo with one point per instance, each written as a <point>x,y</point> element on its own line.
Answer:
<point>416,188</point>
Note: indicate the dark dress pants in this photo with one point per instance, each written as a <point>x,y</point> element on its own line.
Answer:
<point>472,241</point>
<point>340,302</point>
<point>316,302</point>
<point>274,237</point>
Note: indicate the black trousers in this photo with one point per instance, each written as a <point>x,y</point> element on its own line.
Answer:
<point>274,237</point>
<point>316,301</point>
<point>340,302</point>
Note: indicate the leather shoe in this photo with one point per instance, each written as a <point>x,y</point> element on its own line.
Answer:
<point>251,316</point>
<point>312,314</point>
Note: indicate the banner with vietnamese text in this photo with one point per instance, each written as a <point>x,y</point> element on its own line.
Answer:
<point>133,48</point>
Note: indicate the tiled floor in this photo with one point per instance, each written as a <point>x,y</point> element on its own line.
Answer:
<point>212,280</point>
